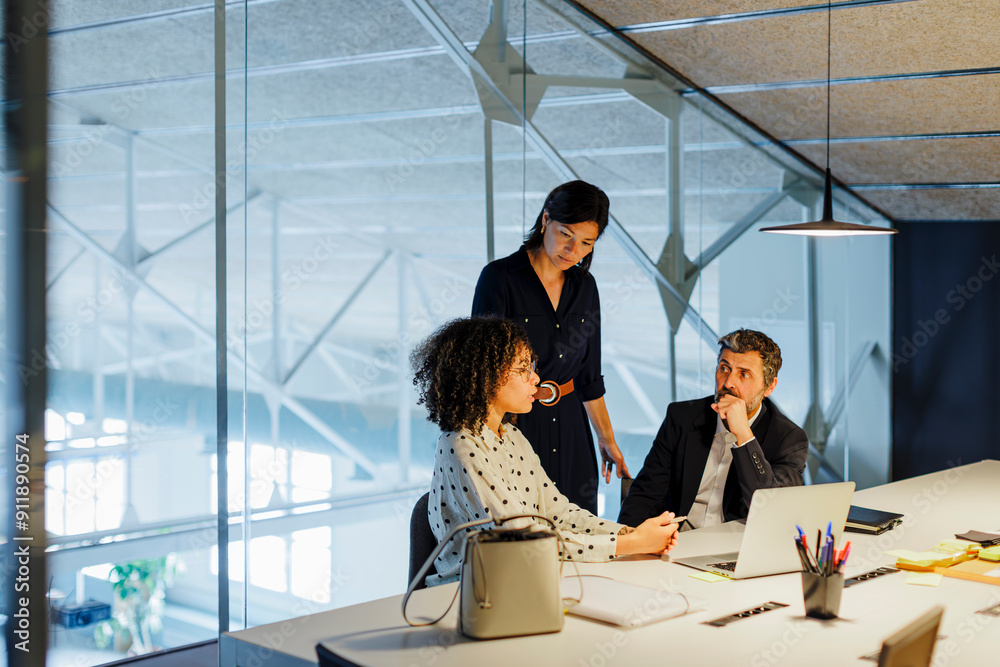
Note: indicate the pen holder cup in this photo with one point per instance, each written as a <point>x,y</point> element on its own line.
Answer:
<point>821,594</point>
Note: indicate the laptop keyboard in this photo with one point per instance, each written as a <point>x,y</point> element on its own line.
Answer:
<point>729,565</point>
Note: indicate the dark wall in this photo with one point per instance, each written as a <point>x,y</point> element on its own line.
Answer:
<point>946,346</point>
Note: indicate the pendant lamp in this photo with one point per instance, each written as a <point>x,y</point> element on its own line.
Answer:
<point>827,226</point>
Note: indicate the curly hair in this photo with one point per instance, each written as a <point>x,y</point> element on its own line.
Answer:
<point>569,204</point>
<point>460,368</point>
<point>748,340</point>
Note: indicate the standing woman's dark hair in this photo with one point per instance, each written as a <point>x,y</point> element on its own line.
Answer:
<point>569,204</point>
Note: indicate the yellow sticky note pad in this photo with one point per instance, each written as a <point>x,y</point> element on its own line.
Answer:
<point>924,578</point>
<point>711,577</point>
<point>914,556</point>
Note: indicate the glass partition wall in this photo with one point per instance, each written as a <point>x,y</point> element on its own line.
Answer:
<point>131,414</point>
<point>371,158</point>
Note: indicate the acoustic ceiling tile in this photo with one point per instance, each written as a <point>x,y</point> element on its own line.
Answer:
<point>872,40</point>
<point>631,12</point>
<point>922,161</point>
<point>943,204</point>
<point>888,108</point>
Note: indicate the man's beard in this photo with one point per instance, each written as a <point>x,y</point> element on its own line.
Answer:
<point>751,407</point>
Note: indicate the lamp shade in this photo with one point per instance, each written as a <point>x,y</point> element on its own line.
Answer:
<point>827,226</point>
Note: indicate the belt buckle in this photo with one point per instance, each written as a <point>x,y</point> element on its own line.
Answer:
<point>556,394</point>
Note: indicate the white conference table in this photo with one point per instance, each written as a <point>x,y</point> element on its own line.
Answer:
<point>936,506</point>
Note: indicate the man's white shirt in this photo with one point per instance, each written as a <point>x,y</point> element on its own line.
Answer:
<point>707,507</point>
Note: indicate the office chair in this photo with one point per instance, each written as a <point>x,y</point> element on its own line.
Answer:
<point>626,485</point>
<point>422,540</point>
<point>328,658</point>
<point>913,646</point>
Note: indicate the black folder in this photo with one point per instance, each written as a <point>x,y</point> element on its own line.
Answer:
<point>872,522</point>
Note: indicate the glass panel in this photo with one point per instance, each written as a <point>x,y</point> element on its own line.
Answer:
<point>368,230</point>
<point>131,414</point>
<point>7,420</point>
<point>855,326</point>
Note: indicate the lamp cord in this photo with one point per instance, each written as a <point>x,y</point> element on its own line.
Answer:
<point>829,23</point>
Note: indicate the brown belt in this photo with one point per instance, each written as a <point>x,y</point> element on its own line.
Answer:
<point>549,392</point>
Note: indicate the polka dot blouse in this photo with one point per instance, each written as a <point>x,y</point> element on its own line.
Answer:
<point>479,475</point>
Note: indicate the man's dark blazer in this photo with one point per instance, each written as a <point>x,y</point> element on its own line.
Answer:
<point>673,469</point>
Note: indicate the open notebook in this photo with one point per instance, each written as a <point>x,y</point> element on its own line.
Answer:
<point>626,605</point>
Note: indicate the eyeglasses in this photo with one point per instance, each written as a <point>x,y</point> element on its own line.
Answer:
<point>525,372</point>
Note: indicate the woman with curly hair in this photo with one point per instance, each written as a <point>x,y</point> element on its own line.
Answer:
<point>473,375</point>
<point>547,288</point>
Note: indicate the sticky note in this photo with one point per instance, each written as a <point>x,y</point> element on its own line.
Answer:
<point>913,556</point>
<point>710,577</point>
<point>924,578</point>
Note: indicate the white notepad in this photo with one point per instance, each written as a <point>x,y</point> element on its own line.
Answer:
<point>626,605</point>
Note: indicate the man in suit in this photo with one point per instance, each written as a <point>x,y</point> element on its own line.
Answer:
<point>712,453</point>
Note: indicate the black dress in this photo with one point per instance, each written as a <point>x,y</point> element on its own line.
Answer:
<point>568,344</point>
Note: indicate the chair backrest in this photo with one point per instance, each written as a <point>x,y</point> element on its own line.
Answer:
<point>422,540</point>
<point>626,485</point>
<point>328,658</point>
<point>913,646</point>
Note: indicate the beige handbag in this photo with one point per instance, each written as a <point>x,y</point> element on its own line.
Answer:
<point>509,583</point>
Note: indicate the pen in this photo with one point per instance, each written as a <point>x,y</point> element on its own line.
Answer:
<point>804,557</point>
<point>847,552</point>
<point>679,519</point>
<point>803,549</point>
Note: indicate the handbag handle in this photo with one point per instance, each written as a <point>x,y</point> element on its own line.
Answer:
<point>440,547</point>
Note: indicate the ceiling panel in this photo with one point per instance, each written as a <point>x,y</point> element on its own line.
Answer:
<point>300,31</point>
<point>888,108</point>
<point>873,40</point>
<point>929,204</point>
<point>74,14</point>
<point>899,50</point>
<point>631,12</point>
<point>926,161</point>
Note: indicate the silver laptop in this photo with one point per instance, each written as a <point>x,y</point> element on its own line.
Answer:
<point>768,542</point>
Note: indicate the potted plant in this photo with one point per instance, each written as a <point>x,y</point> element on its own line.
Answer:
<point>137,610</point>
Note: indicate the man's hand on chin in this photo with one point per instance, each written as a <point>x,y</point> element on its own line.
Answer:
<point>733,411</point>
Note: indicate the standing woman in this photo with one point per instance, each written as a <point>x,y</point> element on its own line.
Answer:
<point>546,287</point>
